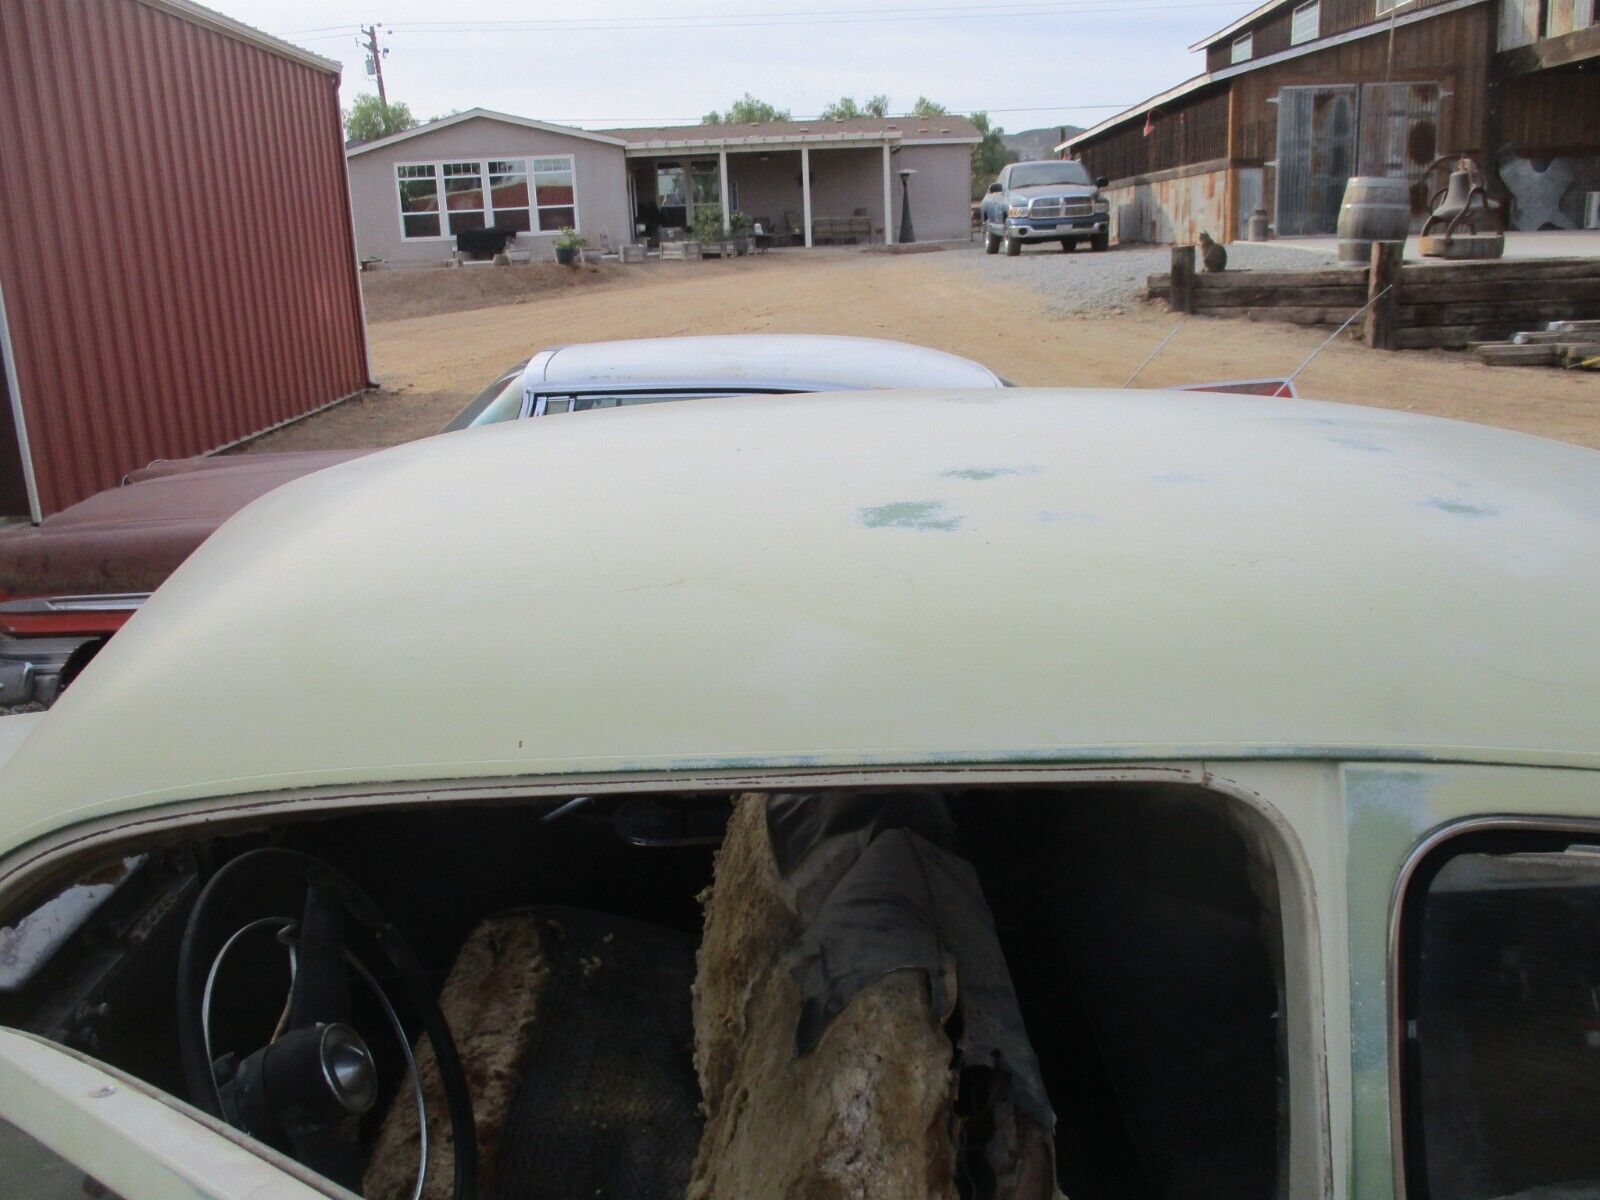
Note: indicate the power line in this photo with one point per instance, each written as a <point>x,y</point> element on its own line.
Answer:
<point>1020,9</point>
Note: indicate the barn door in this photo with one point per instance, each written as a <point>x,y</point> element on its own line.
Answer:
<point>1400,136</point>
<point>1316,156</point>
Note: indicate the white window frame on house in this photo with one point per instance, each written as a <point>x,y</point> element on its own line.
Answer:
<point>1385,7</point>
<point>1243,48</point>
<point>1306,23</point>
<point>441,169</point>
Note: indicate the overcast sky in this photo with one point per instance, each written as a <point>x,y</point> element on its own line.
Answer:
<point>1041,62</point>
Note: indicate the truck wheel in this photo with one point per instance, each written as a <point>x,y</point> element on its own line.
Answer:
<point>1069,244</point>
<point>1013,246</point>
<point>991,243</point>
<point>1099,242</point>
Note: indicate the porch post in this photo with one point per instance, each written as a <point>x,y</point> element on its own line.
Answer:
<point>805,190</point>
<point>727,217</point>
<point>888,199</point>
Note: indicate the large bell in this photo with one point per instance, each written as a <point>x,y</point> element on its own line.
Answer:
<point>1463,203</point>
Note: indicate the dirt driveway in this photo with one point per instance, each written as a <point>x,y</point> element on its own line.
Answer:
<point>431,365</point>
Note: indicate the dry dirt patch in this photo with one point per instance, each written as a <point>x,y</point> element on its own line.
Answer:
<point>433,364</point>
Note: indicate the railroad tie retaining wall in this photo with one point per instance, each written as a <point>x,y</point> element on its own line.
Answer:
<point>1439,305</point>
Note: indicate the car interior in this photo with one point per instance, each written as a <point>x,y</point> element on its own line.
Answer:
<point>980,992</point>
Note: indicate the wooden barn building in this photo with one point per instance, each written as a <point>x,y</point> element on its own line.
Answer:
<point>1299,95</point>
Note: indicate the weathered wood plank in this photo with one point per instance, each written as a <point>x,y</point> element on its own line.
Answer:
<point>1512,292</point>
<point>1295,315</point>
<point>1257,297</point>
<point>1534,270</point>
<point>1505,355</point>
<point>1513,317</point>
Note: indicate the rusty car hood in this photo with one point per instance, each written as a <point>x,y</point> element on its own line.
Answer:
<point>130,538</point>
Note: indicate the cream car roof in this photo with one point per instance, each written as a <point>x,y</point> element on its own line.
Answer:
<point>874,579</point>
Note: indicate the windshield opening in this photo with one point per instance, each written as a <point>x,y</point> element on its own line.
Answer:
<point>1046,174</point>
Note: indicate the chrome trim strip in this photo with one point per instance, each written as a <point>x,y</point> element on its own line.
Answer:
<point>109,602</point>
<point>1408,869</point>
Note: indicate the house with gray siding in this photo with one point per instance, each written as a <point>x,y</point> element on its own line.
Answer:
<point>414,192</point>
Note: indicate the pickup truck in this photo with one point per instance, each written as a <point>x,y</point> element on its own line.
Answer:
<point>1053,200</point>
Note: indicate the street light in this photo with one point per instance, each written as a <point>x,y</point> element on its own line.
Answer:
<point>907,233</point>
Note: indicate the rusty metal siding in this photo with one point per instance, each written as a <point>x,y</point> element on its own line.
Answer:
<point>175,238</point>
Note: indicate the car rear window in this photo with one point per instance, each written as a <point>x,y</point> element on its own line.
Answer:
<point>1502,1033</point>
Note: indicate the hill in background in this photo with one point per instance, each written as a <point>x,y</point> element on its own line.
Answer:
<point>1038,143</point>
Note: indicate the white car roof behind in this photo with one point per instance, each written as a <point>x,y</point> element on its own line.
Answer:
<point>778,359</point>
<point>858,579</point>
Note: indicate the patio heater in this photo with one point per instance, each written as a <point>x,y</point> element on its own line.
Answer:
<point>907,233</point>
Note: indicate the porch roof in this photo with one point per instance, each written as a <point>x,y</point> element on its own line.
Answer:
<point>779,135</point>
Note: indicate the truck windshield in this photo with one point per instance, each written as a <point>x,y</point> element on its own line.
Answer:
<point>1045,174</point>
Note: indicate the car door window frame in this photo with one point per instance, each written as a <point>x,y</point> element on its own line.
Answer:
<point>145,1145</point>
<point>1417,872</point>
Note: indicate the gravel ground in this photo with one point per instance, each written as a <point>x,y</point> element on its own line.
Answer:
<point>1085,282</point>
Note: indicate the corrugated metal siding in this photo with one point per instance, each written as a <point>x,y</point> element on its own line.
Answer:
<point>175,239</point>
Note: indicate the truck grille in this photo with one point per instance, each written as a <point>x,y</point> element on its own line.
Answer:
<point>1061,206</point>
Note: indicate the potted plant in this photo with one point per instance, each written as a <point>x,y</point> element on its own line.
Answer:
<point>743,240</point>
<point>708,230</point>
<point>568,242</point>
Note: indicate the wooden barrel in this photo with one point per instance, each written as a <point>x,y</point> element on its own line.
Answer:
<point>1376,208</point>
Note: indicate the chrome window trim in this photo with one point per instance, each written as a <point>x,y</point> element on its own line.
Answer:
<point>1430,844</point>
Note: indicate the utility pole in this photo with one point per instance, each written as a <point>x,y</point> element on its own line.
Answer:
<point>375,59</point>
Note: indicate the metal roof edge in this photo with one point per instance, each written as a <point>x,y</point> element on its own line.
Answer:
<point>1293,52</point>
<point>197,14</point>
<point>1254,14</point>
<point>1177,91</point>
<point>488,114</point>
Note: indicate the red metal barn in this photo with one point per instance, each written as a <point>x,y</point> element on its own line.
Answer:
<point>177,264</point>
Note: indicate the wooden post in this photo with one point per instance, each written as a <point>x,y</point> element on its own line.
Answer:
<point>888,197</point>
<point>722,182</point>
<point>1384,314</point>
<point>805,190</point>
<point>1181,299</point>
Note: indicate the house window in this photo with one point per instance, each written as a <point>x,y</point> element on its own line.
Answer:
<point>508,194</point>
<point>553,193</point>
<point>419,200</point>
<point>1243,48</point>
<point>463,196</point>
<point>1388,6</point>
<point>1307,23</point>
<point>442,199</point>
<point>1500,978</point>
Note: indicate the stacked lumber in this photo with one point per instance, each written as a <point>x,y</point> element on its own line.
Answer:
<point>1321,297</point>
<point>1560,344</point>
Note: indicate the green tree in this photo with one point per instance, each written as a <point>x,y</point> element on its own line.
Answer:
<point>989,155</point>
<point>845,108</point>
<point>744,111</point>
<point>927,108</point>
<point>370,118</point>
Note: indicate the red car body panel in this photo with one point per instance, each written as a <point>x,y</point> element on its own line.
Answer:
<point>130,538</point>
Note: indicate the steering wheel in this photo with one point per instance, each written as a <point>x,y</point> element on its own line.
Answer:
<point>308,1086</point>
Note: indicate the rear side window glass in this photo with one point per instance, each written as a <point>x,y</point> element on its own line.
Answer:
<point>1501,969</point>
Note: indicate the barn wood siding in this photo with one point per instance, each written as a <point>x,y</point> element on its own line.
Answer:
<point>1555,114</point>
<point>1338,16</point>
<point>175,240</point>
<point>1192,131</point>
<point>1451,50</point>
